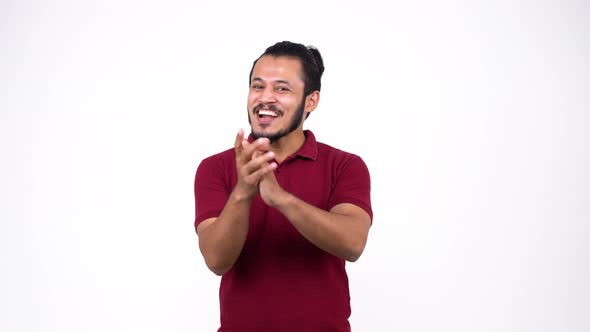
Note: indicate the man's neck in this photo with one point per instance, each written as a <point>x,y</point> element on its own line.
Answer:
<point>288,145</point>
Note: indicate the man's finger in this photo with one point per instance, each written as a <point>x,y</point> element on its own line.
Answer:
<point>263,170</point>
<point>239,139</point>
<point>258,162</point>
<point>259,144</point>
<point>257,154</point>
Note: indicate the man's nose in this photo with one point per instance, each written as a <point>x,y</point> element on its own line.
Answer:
<point>267,95</point>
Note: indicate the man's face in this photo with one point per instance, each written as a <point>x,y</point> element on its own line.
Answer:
<point>276,102</point>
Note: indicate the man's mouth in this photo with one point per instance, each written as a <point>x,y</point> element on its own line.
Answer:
<point>267,113</point>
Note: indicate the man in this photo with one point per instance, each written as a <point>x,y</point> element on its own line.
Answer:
<point>278,215</point>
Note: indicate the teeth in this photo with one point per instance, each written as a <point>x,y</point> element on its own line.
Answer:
<point>269,113</point>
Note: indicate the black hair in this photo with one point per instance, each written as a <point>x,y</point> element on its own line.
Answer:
<point>310,58</point>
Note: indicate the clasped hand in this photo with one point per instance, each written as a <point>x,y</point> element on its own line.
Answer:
<point>255,167</point>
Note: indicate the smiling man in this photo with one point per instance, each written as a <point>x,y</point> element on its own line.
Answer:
<point>278,215</point>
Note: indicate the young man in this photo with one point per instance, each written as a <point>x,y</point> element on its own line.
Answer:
<point>278,215</point>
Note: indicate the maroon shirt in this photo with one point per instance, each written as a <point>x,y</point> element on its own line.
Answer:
<point>281,281</point>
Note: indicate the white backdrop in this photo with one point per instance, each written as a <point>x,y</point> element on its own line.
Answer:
<point>471,116</point>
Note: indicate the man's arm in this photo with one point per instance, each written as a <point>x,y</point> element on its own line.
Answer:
<point>342,231</point>
<point>221,239</point>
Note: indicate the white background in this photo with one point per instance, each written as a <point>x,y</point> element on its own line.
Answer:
<point>471,116</point>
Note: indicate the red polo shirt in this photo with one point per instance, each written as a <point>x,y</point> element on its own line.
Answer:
<point>281,281</point>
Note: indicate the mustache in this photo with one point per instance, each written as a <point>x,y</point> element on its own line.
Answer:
<point>269,107</point>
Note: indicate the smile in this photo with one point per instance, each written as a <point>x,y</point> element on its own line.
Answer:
<point>267,113</point>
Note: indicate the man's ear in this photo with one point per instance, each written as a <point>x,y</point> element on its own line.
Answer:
<point>311,101</point>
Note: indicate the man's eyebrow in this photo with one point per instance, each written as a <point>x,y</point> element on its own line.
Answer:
<point>282,82</point>
<point>258,79</point>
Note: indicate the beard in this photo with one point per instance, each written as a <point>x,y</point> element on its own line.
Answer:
<point>293,125</point>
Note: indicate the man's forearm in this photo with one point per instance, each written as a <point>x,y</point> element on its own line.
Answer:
<point>341,232</point>
<point>221,242</point>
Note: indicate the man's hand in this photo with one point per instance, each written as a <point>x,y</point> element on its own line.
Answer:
<point>252,163</point>
<point>270,191</point>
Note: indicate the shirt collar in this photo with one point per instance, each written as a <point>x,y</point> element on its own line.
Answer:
<point>308,150</point>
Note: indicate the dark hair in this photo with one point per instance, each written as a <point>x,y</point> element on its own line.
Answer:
<point>310,58</point>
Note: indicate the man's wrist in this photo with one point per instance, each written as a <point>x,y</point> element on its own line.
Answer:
<point>239,196</point>
<point>284,200</point>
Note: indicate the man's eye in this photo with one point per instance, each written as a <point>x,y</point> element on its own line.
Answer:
<point>256,87</point>
<point>282,89</point>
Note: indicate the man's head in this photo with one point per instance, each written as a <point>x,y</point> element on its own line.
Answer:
<point>312,64</point>
<point>285,83</point>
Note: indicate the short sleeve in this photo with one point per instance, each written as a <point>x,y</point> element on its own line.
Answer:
<point>211,189</point>
<point>352,184</point>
